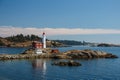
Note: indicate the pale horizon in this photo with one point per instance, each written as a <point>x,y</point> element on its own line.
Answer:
<point>62,33</point>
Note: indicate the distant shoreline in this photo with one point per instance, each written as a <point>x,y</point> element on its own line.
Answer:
<point>21,41</point>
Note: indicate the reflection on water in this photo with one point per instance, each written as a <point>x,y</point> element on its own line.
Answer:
<point>39,64</point>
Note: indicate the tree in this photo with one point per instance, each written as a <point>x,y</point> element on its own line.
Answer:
<point>1,43</point>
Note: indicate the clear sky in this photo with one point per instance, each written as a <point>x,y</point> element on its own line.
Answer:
<point>67,14</point>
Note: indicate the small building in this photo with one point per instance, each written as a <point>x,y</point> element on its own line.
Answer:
<point>38,51</point>
<point>37,46</point>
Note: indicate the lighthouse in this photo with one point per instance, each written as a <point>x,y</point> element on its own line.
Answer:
<point>38,45</point>
<point>44,40</point>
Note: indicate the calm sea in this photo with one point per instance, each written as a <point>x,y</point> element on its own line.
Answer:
<point>41,69</point>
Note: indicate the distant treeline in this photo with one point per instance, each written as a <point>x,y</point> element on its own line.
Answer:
<point>72,42</point>
<point>19,38</point>
<point>23,38</point>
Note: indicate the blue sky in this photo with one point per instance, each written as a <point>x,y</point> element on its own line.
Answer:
<point>68,14</point>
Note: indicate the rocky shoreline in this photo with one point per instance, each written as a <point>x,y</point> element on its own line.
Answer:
<point>47,53</point>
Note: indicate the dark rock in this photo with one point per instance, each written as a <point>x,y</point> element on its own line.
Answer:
<point>104,45</point>
<point>107,45</point>
<point>111,56</point>
<point>68,63</point>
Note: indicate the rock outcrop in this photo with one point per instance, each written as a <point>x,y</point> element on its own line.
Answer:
<point>68,63</point>
<point>88,54</point>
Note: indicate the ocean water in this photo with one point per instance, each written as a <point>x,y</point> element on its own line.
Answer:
<point>41,69</point>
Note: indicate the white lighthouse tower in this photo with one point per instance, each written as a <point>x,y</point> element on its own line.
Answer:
<point>44,40</point>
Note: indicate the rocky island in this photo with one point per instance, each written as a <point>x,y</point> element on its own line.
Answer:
<point>68,63</point>
<point>55,54</point>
